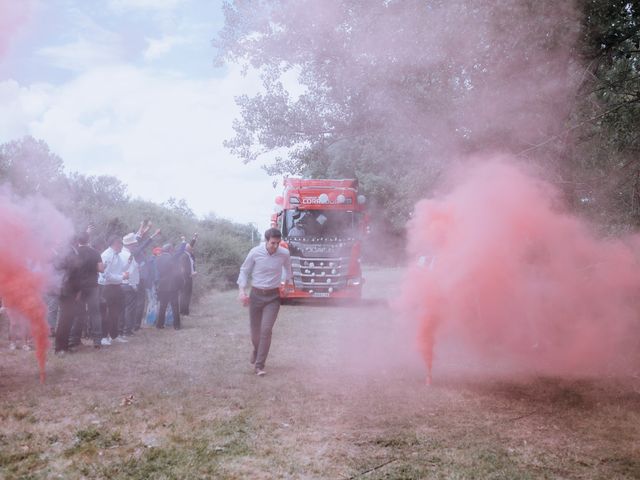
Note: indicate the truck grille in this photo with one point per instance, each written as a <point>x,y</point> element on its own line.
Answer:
<point>320,275</point>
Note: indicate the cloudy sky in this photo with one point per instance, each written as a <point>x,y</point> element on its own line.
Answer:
<point>128,88</point>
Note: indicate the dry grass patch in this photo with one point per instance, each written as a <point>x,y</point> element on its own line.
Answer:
<point>340,401</point>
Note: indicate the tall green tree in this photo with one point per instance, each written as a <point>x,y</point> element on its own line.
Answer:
<point>393,91</point>
<point>606,161</point>
<point>31,168</point>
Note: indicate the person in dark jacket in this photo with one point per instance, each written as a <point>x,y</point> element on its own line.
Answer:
<point>90,264</point>
<point>169,284</point>
<point>69,295</point>
<point>188,270</point>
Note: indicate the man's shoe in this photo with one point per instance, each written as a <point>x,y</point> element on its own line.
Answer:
<point>252,359</point>
<point>105,342</point>
<point>121,339</point>
<point>60,353</point>
<point>96,346</point>
<point>260,372</point>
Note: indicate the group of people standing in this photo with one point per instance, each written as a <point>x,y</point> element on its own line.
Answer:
<point>106,295</point>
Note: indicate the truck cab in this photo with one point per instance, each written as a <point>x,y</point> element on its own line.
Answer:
<point>322,223</point>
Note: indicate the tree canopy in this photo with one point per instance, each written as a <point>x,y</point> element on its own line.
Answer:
<point>29,167</point>
<point>606,160</point>
<point>392,92</point>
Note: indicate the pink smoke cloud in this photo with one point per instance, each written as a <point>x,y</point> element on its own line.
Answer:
<point>13,14</point>
<point>509,274</point>
<point>31,229</point>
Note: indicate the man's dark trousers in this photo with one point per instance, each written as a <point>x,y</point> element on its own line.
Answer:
<point>141,304</point>
<point>68,311</point>
<point>185,295</point>
<point>130,309</point>
<point>263,311</point>
<point>88,307</point>
<point>114,297</point>
<point>165,298</point>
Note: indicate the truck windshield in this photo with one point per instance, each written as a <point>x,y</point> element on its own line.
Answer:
<point>320,223</point>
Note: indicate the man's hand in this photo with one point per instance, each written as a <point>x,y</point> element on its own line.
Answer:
<point>243,298</point>
<point>125,276</point>
<point>156,233</point>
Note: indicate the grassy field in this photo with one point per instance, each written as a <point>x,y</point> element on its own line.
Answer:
<point>344,398</point>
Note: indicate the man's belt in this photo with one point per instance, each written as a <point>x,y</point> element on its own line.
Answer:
<point>265,291</point>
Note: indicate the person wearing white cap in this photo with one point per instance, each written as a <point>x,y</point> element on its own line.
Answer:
<point>133,245</point>
<point>129,285</point>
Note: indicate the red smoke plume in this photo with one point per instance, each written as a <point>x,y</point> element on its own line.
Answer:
<point>12,15</point>
<point>31,228</point>
<point>500,267</point>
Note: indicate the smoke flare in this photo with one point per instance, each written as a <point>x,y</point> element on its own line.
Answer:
<point>31,228</point>
<point>508,274</point>
<point>12,15</point>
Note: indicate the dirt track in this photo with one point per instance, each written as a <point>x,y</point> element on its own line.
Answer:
<point>344,398</point>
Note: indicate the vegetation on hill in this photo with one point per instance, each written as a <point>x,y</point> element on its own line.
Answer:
<point>30,168</point>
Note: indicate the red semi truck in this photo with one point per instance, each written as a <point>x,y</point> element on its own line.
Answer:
<point>322,222</point>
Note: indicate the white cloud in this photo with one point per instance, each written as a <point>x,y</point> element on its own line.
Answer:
<point>159,133</point>
<point>158,47</point>
<point>81,54</point>
<point>20,106</point>
<point>85,44</point>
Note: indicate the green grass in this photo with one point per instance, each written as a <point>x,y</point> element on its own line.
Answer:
<point>92,439</point>
<point>194,454</point>
<point>341,400</point>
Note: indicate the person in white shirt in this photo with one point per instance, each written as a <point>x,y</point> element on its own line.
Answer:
<point>263,269</point>
<point>115,272</point>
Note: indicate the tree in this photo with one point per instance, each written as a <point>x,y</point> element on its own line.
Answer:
<point>605,166</point>
<point>179,206</point>
<point>392,91</point>
<point>31,168</point>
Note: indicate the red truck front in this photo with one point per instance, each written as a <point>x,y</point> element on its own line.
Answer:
<point>322,223</point>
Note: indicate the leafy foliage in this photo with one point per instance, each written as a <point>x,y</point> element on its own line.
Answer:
<point>606,163</point>
<point>29,167</point>
<point>392,92</point>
